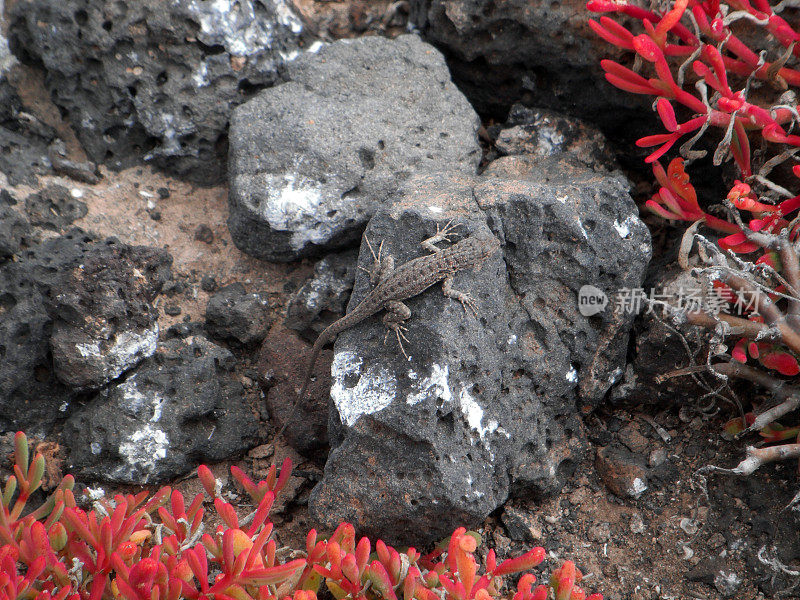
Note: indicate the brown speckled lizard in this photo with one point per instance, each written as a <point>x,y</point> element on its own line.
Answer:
<point>392,286</point>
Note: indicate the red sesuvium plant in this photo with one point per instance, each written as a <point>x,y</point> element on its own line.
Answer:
<point>695,59</point>
<point>136,547</point>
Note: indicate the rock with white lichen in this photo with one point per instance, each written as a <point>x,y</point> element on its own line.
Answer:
<point>484,407</point>
<point>74,313</point>
<point>311,160</point>
<point>155,79</point>
<point>180,408</point>
<point>104,321</point>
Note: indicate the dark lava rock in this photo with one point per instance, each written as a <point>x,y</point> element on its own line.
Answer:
<point>233,313</point>
<point>540,132</point>
<point>85,171</point>
<point>31,397</point>
<point>103,319</point>
<point>155,78</point>
<point>54,208</point>
<point>623,472</point>
<point>303,421</point>
<point>536,52</point>
<point>484,408</point>
<point>71,301</point>
<point>23,139</point>
<point>323,298</point>
<point>311,160</point>
<point>181,407</point>
<point>16,233</point>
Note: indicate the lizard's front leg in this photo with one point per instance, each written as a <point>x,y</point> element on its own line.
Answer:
<point>442,235</point>
<point>465,299</point>
<point>396,314</point>
<point>381,267</point>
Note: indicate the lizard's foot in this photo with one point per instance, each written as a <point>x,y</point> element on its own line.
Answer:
<point>398,332</point>
<point>442,235</point>
<point>446,232</point>
<point>467,302</point>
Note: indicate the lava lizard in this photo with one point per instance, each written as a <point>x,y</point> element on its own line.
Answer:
<point>392,286</point>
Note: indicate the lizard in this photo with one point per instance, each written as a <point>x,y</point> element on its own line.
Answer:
<point>393,285</point>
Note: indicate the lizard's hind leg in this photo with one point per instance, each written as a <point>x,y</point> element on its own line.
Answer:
<point>381,267</point>
<point>465,299</point>
<point>396,314</point>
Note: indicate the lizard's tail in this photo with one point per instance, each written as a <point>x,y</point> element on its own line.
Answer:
<point>312,359</point>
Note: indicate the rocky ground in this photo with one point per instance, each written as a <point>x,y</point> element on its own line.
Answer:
<point>157,300</point>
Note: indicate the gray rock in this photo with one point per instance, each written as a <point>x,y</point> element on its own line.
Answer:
<point>67,294</point>
<point>54,208</point>
<point>104,322</point>
<point>155,79</point>
<point>181,407</point>
<point>232,313</point>
<point>15,233</point>
<point>23,139</point>
<point>31,397</point>
<point>571,227</point>
<point>311,160</point>
<point>324,295</point>
<point>539,132</point>
<point>485,408</point>
<point>537,52</point>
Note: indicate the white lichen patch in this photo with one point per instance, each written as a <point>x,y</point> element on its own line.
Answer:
<point>291,203</point>
<point>200,75</point>
<point>235,25</point>
<point>435,384</point>
<point>624,228</point>
<point>473,413</point>
<point>137,403</point>
<point>637,488</point>
<point>572,374</point>
<point>125,350</point>
<point>141,452</point>
<point>94,494</point>
<point>375,388</point>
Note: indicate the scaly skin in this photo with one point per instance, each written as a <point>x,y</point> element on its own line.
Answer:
<point>407,281</point>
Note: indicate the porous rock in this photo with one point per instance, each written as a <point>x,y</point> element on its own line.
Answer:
<point>232,313</point>
<point>16,233</point>
<point>540,132</point>
<point>323,298</point>
<point>311,160</point>
<point>31,397</point>
<point>181,407</point>
<point>104,322</point>
<point>54,208</point>
<point>484,408</point>
<point>155,79</point>
<point>65,307</point>
<point>23,139</point>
